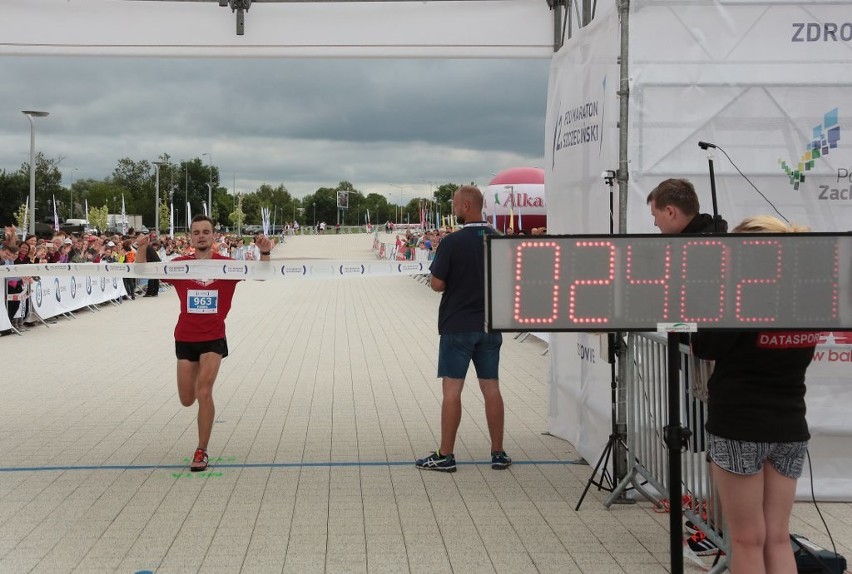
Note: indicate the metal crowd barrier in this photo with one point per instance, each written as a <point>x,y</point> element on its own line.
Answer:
<point>647,399</point>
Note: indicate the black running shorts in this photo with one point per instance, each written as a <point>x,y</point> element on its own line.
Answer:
<point>192,351</point>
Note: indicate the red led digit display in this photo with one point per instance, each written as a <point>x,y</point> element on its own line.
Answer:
<point>758,292</point>
<point>815,281</point>
<point>704,269</point>
<point>648,275</point>
<point>636,282</point>
<point>537,278</point>
<point>601,252</point>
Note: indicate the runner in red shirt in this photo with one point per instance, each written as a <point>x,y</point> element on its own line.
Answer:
<point>200,343</point>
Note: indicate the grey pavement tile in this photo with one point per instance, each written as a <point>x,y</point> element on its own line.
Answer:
<point>342,562</point>
<point>387,563</point>
<point>304,563</point>
<point>512,563</point>
<point>555,562</point>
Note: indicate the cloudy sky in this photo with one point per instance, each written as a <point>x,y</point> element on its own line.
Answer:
<point>301,123</point>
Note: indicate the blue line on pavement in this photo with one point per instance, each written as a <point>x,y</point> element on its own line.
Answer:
<point>260,465</point>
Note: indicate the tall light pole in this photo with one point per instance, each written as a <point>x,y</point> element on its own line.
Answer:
<point>432,200</point>
<point>209,184</point>
<point>400,200</point>
<point>30,115</point>
<point>158,165</point>
<point>186,191</point>
<point>71,191</point>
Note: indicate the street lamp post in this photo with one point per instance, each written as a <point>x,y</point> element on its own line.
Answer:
<point>30,115</point>
<point>209,184</point>
<point>158,165</point>
<point>399,213</point>
<point>71,191</point>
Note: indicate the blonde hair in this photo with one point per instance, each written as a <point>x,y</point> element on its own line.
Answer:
<point>768,224</point>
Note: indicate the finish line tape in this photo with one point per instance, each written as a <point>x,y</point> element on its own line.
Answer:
<point>208,269</point>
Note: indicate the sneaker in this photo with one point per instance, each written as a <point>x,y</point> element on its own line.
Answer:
<point>691,528</point>
<point>199,460</point>
<point>437,461</point>
<point>500,460</point>
<point>701,545</point>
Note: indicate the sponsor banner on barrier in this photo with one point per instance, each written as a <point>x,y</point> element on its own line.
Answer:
<point>215,269</point>
<point>52,296</point>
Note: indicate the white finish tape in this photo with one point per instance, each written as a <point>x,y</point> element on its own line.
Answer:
<point>224,269</point>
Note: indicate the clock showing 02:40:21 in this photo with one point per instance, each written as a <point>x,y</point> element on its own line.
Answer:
<point>636,282</point>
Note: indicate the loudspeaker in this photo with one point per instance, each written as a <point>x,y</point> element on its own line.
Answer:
<point>813,559</point>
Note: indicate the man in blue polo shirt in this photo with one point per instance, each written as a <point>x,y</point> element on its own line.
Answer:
<point>458,271</point>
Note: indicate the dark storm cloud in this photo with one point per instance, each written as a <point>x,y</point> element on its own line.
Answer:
<point>302,123</point>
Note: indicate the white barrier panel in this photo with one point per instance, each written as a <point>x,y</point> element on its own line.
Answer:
<point>224,269</point>
<point>5,324</point>
<point>55,295</point>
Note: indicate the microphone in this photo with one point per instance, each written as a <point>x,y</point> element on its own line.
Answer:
<point>718,221</point>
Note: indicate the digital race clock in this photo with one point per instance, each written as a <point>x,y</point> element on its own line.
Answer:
<point>637,282</point>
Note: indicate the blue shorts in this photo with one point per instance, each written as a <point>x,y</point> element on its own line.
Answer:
<point>747,458</point>
<point>457,350</point>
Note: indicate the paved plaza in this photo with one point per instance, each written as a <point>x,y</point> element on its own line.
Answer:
<point>328,395</point>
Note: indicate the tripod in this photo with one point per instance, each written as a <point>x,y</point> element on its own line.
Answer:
<point>607,481</point>
<point>615,344</point>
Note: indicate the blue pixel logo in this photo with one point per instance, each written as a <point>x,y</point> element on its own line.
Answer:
<point>825,138</point>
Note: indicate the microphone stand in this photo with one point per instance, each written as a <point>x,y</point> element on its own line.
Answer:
<point>609,482</point>
<point>705,146</point>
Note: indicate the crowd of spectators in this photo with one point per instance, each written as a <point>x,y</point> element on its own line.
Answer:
<point>66,247</point>
<point>412,240</point>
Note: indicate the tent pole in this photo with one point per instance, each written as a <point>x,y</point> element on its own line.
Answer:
<point>620,458</point>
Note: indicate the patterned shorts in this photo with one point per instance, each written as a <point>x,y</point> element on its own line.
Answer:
<point>747,458</point>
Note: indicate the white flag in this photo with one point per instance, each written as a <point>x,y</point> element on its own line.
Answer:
<point>123,217</point>
<point>26,220</point>
<point>55,215</point>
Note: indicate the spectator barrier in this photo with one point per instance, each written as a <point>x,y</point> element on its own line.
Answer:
<point>827,393</point>
<point>5,323</point>
<point>647,414</point>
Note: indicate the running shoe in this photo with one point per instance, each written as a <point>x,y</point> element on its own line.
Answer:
<point>199,461</point>
<point>500,460</point>
<point>691,528</point>
<point>437,461</point>
<point>701,545</point>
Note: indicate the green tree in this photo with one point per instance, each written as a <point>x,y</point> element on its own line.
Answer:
<point>444,197</point>
<point>105,193</point>
<point>250,206</point>
<point>22,217</point>
<point>98,217</point>
<point>134,180</point>
<point>14,190</point>
<point>164,216</point>
<point>379,209</point>
<point>323,202</point>
<point>237,217</point>
<point>279,201</point>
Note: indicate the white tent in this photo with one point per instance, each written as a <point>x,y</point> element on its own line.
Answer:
<point>437,29</point>
<point>765,81</point>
